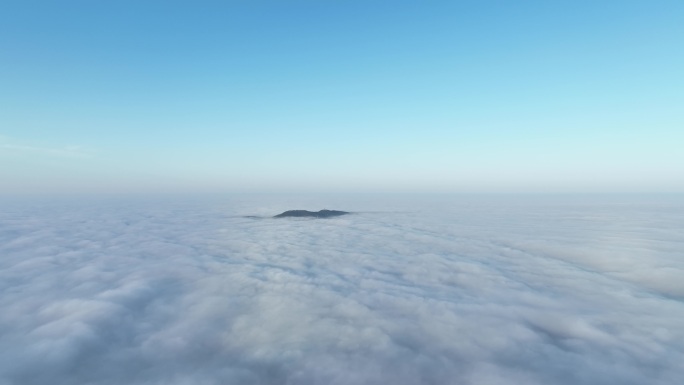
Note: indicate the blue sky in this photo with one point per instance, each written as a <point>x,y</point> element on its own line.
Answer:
<point>444,96</point>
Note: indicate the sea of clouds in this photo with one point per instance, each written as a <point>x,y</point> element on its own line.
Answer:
<point>407,290</point>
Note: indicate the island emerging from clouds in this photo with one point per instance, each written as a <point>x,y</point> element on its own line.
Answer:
<point>311,214</point>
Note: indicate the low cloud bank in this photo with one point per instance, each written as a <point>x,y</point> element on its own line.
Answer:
<point>456,293</point>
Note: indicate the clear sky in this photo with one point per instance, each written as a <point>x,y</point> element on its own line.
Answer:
<point>332,95</point>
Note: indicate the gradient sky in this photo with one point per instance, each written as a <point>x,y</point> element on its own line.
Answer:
<point>327,95</point>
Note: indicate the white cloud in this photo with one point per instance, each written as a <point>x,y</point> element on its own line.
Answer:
<point>71,151</point>
<point>462,292</point>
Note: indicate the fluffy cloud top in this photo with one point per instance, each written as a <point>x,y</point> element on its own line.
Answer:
<point>459,291</point>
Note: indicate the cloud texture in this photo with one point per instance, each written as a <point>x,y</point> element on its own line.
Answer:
<point>454,291</point>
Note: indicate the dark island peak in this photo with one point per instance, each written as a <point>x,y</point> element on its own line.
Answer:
<point>311,214</point>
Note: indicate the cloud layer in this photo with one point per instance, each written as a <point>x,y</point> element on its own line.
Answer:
<point>455,291</point>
